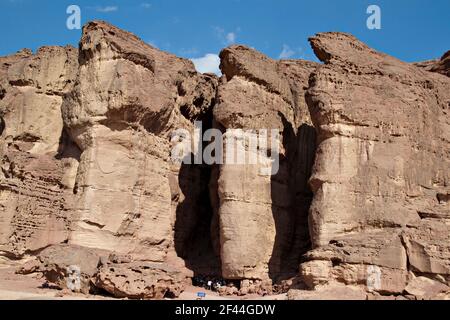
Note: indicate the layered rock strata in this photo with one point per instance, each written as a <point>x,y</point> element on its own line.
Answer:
<point>381,175</point>
<point>37,162</point>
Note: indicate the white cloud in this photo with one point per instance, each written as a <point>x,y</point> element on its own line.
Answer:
<point>146,5</point>
<point>230,37</point>
<point>226,38</point>
<point>107,9</point>
<point>208,64</point>
<point>286,53</point>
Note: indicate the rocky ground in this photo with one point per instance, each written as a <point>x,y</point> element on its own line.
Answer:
<point>14,286</point>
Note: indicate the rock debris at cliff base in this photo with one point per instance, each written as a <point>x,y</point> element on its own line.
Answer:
<point>359,207</point>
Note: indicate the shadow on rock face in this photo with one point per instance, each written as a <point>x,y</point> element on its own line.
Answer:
<point>2,126</point>
<point>194,215</point>
<point>194,232</point>
<point>292,238</point>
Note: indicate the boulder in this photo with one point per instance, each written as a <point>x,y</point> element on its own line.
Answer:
<point>140,280</point>
<point>71,267</point>
<point>425,288</point>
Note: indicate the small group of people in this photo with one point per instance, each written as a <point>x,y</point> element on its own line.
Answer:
<point>208,283</point>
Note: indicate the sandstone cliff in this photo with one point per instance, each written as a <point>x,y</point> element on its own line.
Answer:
<point>359,202</point>
<point>37,161</point>
<point>381,176</point>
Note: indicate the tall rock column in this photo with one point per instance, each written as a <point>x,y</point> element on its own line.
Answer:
<point>127,100</point>
<point>262,230</point>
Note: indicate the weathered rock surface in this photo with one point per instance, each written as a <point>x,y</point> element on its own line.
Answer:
<point>263,230</point>
<point>127,100</point>
<point>140,280</point>
<point>35,180</point>
<point>440,66</point>
<point>331,292</point>
<point>357,205</point>
<point>70,267</point>
<point>426,288</point>
<point>381,176</point>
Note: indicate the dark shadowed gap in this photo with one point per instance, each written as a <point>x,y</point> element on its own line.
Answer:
<point>195,228</point>
<point>193,237</point>
<point>292,238</point>
<point>67,148</point>
<point>2,125</point>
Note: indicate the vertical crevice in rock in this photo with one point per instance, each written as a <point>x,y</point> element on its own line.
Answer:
<point>292,238</point>
<point>2,125</point>
<point>68,148</point>
<point>194,231</point>
<point>280,264</point>
<point>194,219</point>
<point>69,154</point>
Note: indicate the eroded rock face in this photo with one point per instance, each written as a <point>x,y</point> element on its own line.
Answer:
<point>441,66</point>
<point>140,280</point>
<point>331,292</point>
<point>426,288</point>
<point>359,193</point>
<point>263,229</point>
<point>381,176</point>
<point>70,267</point>
<point>127,100</point>
<point>36,160</point>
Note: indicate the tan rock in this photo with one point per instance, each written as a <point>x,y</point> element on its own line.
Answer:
<point>380,178</point>
<point>34,154</point>
<point>263,230</point>
<point>360,193</point>
<point>427,247</point>
<point>439,65</point>
<point>127,100</point>
<point>140,280</point>
<point>314,273</point>
<point>329,292</point>
<point>425,288</point>
<point>382,247</point>
<point>71,267</point>
<point>387,167</point>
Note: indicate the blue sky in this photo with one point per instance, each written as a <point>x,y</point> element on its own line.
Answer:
<point>411,30</point>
